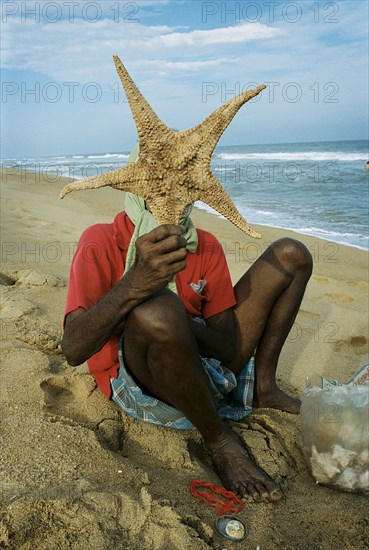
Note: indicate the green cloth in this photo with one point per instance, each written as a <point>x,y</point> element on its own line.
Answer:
<point>145,222</point>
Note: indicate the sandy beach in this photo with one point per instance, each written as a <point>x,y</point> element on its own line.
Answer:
<point>77,473</point>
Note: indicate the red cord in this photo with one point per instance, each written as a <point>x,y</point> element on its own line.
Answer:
<point>228,503</point>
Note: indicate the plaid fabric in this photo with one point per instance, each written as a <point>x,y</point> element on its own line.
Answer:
<point>233,395</point>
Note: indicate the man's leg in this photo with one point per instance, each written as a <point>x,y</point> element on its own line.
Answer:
<point>268,299</point>
<point>161,353</point>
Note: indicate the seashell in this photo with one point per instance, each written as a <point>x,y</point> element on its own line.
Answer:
<point>323,467</point>
<point>353,432</point>
<point>231,528</point>
<point>348,479</point>
<point>322,473</point>
<point>363,481</point>
<point>363,458</point>
<point>325,436</point>
<point>342,457</point>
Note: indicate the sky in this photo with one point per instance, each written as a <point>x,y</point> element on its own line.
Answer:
<point>60,93</point>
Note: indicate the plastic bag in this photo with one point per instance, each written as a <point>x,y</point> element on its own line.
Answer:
<point>335,431</point>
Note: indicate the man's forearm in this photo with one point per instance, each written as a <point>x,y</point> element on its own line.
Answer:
<point>88,332</point>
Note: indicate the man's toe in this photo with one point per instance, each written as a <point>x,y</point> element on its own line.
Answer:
<point>274,495</point>
<point>262,490</point>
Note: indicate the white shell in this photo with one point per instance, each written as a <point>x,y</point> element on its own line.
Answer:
<point>342,457</point>
<point>348,479</point>
<point>363,459</point>
<point>334,425</point>
<point>323,467</point>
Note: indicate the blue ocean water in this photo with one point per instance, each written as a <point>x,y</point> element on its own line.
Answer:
<point>317,188</point>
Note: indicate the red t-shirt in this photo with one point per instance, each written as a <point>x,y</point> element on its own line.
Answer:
<point>99,263</point>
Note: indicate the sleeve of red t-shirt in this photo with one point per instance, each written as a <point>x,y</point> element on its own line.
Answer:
<point>92,274</point>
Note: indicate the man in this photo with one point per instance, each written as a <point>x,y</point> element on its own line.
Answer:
<point>161,375</point>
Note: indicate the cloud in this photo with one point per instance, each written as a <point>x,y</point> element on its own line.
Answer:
<point>195,65</point>
<point>82,50</point>
<point>226,35</point>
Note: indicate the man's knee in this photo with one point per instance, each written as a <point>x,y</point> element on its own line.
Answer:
<point>160,318</point>
<point>295,254</point>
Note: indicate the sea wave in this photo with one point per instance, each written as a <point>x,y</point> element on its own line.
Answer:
<point>270,219</point>
<point>330,233</point>
<point>109,155</point>
<point>267,213</point>
<point>303,155</point>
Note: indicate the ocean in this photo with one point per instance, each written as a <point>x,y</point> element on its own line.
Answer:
<point>316,188</point>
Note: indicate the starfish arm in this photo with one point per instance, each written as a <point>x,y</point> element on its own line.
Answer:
<point>147,122</point>
<point>216,197</point>
<point>129,178</point>
<point>173,168</point>
<point>213,126</point>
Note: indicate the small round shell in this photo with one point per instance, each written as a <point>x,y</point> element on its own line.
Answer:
<point>231,528</point>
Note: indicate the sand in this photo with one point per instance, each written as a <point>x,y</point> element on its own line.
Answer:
<point>77,474</point>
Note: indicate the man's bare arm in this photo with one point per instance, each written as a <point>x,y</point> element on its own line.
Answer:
<point>218,337</point>
<point>160,255</point>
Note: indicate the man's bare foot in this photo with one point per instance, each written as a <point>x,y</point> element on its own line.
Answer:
<point>277,399</point>
<point>238,472</point>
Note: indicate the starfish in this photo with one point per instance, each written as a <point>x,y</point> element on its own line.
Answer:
<point>173,167</point>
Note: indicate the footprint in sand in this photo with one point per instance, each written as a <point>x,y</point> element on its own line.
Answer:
<point>75,400</point>
<point>321,280</point>
<point>14,307</point>
<point>31,277</point>
<point>357,284</point>
<point>358,344</point>
<point>40,332</point>
<point>339,297</point>
<point>309,314</point>
<point>6,280</point>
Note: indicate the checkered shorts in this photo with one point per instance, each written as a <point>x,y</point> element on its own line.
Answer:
<point>233,394</point>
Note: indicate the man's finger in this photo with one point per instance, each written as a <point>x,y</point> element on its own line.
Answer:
<point>179,255</point>
<point>164,231</point>
<point>170,244</point>
<point>178,266</point>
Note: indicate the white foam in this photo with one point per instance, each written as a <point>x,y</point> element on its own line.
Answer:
<point>327,234</point>
<point>108,156</point>
<point>267,213</point>
<point>320,233</point>
<point>307,155</point>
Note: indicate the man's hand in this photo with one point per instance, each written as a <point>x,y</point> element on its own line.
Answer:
<point>160,255</point>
